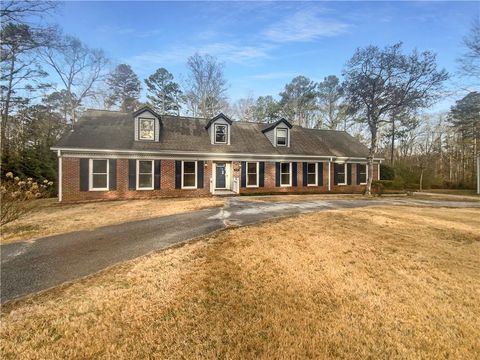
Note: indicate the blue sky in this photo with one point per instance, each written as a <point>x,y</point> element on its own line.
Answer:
<point>265,44</point>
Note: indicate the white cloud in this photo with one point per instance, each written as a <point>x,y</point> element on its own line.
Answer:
<point>304,25</point>
<point>273,75</point>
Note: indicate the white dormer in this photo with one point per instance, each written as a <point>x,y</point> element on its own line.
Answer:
<point>279,133</point>
<point>147,125</point>
<point>219,130</point>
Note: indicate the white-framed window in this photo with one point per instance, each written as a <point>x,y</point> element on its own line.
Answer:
<point>146,129</point>
<point>221,134</point>
<point>252,174</point>
<point>189,174</point>
<point>145,174</point>
<point>99,178</point>
<point>312,178</point>
<point>282,137</point>
<point>342,174</point>
<point>285,174</point>
<point>362,174</point>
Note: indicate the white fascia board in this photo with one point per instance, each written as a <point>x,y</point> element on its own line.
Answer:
<point>166,154</point>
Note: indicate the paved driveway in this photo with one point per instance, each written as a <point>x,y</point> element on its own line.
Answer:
<point>28,267</point>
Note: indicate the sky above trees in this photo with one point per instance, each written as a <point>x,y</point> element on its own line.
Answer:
<point>264,44</point>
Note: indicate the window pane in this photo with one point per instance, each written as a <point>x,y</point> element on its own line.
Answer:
<point>189,167</point>
<point>220,133</point>
<point>147,129</point>
<point>285,167</point>
<point>252,179</point>
<point>189,180</point>
<point>311,179</point>
<point>145,167</point>
<point>281,137</point>
<point>99,166</point>
<point>99,181</point>
<point>145,181</point>
<point>285,179</point>
<point>252,168</point>
<point>341,178</point>
<point>311,167</point>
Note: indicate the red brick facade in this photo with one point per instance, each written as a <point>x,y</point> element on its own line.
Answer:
<point>71,182</point>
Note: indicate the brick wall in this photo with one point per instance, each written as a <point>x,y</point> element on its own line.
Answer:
<point>71,182</point>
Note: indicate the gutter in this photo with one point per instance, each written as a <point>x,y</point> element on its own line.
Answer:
<point>60,175</point>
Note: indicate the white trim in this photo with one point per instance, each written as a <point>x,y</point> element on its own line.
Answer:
<point>286,136</point>
<point>257,164</point>
<point>290,173</point>
<point>90,175</point>
<point>137,185</point>
<point>316,174</point>
<point>345,169</point>
<point>60,177</point>
<point>196,174</point>
<point>139,119</point>
<point>330,175</point>
<point>164,154</point>
<point>227,130</point>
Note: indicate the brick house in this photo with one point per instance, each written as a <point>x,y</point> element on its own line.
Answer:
<point>116,155</point>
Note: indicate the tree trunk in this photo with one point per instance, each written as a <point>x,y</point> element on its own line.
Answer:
<point>371,154</point>
<point>421,179</point>
<point>392,146</point>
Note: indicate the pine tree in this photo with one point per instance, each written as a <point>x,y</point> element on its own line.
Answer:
<point>164,93</point>
<point>124,88</point>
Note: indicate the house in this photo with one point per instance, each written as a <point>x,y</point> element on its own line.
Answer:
<point>116,155</point>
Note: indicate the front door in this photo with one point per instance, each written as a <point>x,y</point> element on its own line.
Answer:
<point>220,175</point>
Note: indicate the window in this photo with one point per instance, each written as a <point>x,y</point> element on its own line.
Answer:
<point>146,129</point>
<point>144,174</point>
<point>221,134</point>
<point>285,174</point>
<point>98,174</point>
<point>252,174</point>
<point>312,174</point>
<point>362,174</point>
<point>282,137</point>
<point>341,174</point>
<point>189,174</point>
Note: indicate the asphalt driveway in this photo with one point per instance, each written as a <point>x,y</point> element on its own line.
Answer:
<point>31,266</point>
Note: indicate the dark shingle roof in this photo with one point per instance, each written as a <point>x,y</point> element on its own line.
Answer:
<point>98,129</point>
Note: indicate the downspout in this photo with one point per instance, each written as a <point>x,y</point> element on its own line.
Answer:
<point>59,155</point>
<point>329,175</point>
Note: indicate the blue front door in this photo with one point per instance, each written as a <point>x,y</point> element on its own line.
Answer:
<point>220,169</point>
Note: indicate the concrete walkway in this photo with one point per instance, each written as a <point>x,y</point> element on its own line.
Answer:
<point>31,266</point>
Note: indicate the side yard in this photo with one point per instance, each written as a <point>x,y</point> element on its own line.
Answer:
<point>380,282</point>
<point>52,218</point>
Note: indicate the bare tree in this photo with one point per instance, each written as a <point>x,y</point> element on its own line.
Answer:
<point>469,62</point>
<point>378,82</point>
<point>244,109</point>
<point>19,12</point>
<point>206,85</point>
<point>78,67</point>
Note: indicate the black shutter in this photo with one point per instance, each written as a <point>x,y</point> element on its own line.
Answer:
<point>84,174</point>
<point>132,174</point>
<point>157,166</point>
<point>261,177</point>
<point>200,171</point>
<point>244,174</point>
<point>112,169</point>
<point>178,174</point>
<point>335,173</point>
<point>294,173</point>
<point>277,174</point>
<point>305,174</point>
<point>349,174</point>
<point>320,174</point>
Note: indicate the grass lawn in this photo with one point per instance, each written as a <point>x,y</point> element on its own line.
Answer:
<point>385,282</point>
<point>52,218</point>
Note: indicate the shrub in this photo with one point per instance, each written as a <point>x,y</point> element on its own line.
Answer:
<point>386,172</point>
<point>17,196</point>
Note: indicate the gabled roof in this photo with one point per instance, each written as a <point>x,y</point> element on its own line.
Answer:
<point>219,116</point>
<point>146,108</point>
<point>113,130</point>
<point>276,123</point>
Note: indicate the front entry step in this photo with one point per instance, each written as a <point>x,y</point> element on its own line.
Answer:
<point>224,193</point>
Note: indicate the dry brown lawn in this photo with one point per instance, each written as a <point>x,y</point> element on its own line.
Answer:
<point>385,282</point>
<point>304,197</point>
<point>52,218</point>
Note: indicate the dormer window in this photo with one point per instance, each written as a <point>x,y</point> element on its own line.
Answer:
<point>221,135</point>
<point>146,129</point>
<point>282,137</point>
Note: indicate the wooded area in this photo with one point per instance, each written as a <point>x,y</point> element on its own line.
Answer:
<point>382,97</point>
